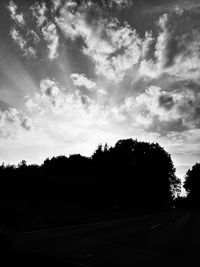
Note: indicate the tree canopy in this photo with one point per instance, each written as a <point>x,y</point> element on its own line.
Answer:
<point>192,185</point>
<point>139,171</point>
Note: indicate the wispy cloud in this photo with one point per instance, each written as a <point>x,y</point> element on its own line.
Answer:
<point>17,17</point>
<point>22,43</point>
<point>18,38</point>
<point>51,37</point>
<point>56,4</point>
<point>119,3</point>
<point>12,121</point>
<point>175,53</point>
<point>113,48</point>
<point>39,12</point>
<point>31,38</point>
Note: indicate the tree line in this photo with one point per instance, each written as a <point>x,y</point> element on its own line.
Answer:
<point>129,178</point>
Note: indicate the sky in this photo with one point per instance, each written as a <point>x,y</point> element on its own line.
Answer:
<point>74,74</point>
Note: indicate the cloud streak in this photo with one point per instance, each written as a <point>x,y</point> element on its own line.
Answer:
<point>175,53</point>
<point>30,38</point>
<point>22,43</point>
<point>39,12</point>
<point>51,37</point>
<point>17,17</point>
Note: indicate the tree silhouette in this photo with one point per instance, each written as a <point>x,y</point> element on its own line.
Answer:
<point>192,185</point>
<point>129,178</point>
<point>149,171</point>
<point>135,173</point>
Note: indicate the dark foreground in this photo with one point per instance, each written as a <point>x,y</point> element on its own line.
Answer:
<point>168,239</point>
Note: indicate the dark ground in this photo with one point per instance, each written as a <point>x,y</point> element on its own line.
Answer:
<point>167,239</point>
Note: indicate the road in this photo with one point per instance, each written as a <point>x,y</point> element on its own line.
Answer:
<point>168,239</point>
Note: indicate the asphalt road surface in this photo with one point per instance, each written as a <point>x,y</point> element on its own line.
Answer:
<point>168,239</point>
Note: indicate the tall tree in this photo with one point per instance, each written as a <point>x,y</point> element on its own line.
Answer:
<point>192,185</point>
<point>138,173</point>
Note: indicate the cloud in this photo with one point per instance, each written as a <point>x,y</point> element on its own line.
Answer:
<point>49,88</point>
<point>20,32</point>
<point>50,99</point>
<point>114,48</point>
<point>75,109</point>
<point>154,111</point>
<point>48,28</point>
<point>12,121</point>
<point>30,39</point>
<point>34,36</point>
<point>126,51</point>
<point>120,3</point>
<point>3,106</point>
<point>82,80</point>
<point>53,100</point>
<point>17,17</point>
<point>174,7</point>
<point>176,51</point>
<point>22,43</point>
<point>166,101</point>
<point>18,39</point>
<point>26,123</point>
<point>165,52</point>
<point>177,110</point>
<point>56,4</point>
<point>179,10</point>
<point>39,12</point>
<point>146,45</point>
<point>73,121</point>
<point>144,84</point>
<point>162,52</point>
<point>102,91</point>
<point>17,118</point>
<point>51,36</point>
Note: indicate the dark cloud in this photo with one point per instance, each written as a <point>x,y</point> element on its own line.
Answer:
<point>85,100</point>
<point>171,51</point>
<point>150,54</point>
<point>165,127</point>
<point>170,40</point>
<point>26,123</point>
<point>192,85</point>
<point>197,115</point>
<point>166,101</point>
<point>3,106</point>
